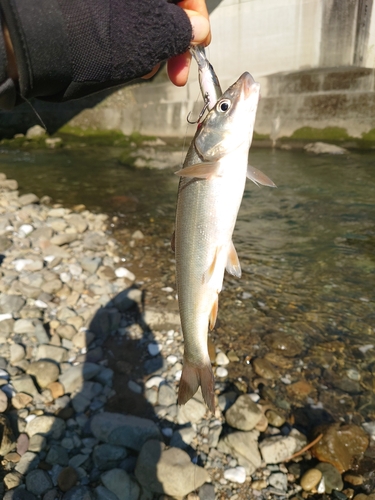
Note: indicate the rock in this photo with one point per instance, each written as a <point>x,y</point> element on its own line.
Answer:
<point>24,326</point>
<point>90,264</point>
<point>57,455</point>
<point>35,132</point>
<point>191,412</point>
<point>275,418</point>
<point>11,303</point>
<point>121,484</point>
<point>46,425</point>
<point>310,479</point>
<point>264,369</point>
<point>221,372</point>
<point>167,395</point>
<point>54,353</point>
<point>27,199</point>
<point>106,456</point>
<point>276,449</point>
<point>105,321</point>
<point>181,438</point>
<point>94,241</point>
<point>3,401</point>
<point>235,475</point>
<point>284,344</point>
<point>7,440</point>
<point>29,461</point>
<point>38,482</point>
<point>24,383</point>
<point>37,443</point>
<point>340,444</point>
<point>63,239</point>
<point>168,471</point>
<point>16,352</point>
<point>279,481</point>
<point>103,493</point>
<point>12,480</point>
<point>78,493</point>
<point>20,400</point>
<point>324,148</point>
<point>66,331</point>
<point>45,372</point>
<point>73,378</point>
<point>332,477</point>
<point>123,430</point>
<point>19,494</point>
<point>354,479</point>
<point>243,414</point>
<point>22,443</point>
<point>221,359</point>
<point>244,447</point>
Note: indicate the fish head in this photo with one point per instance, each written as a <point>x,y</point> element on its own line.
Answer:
<point>230,123</point>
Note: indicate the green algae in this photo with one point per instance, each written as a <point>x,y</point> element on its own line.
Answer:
<point>321,134</point>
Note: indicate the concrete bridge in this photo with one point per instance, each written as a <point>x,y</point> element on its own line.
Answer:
<point>314,59</point>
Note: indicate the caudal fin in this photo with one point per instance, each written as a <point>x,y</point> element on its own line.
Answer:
<point>194,376</point>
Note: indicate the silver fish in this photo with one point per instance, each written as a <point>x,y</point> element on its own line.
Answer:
<point>209,196</point>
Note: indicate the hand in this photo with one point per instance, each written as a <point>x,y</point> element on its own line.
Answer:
<point>178,66</point>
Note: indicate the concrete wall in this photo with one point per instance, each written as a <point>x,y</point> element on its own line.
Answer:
<point>313,58</point>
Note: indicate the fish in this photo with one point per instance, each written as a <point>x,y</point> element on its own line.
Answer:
<point>208,80</point>
<point>212,182</point>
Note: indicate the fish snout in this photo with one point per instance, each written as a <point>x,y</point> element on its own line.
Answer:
<point>249,85</point>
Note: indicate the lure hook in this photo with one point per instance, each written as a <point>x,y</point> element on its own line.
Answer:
<point>206,103</point>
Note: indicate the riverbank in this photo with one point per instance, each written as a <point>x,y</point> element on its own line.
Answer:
<point>91,355</point>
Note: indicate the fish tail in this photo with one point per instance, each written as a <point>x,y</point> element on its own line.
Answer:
<point>194,376</point>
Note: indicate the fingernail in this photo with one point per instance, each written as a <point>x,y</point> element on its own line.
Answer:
<point>201,28</point>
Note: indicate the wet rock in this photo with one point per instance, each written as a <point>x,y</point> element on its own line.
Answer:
<point>277,449</point>
<point>243,414</point>
<point>264,369</point>
<point>124,430</point>
<point>324,148</point>
<point>121,484</point>
<point>244,447</point>
<point>332,477</point>
<point>45,372</point>
<point>284,344</point>
<point>340,444</point>
<point>38,482</point>
<point>168,471</point>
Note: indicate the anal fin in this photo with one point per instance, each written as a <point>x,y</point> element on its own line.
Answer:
<point>213,313</point>
<point>233,264</point>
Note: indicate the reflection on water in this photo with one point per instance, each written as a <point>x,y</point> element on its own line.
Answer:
<point>306,248</point>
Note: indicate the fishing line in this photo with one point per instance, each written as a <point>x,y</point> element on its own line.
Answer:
<point>36,113</point>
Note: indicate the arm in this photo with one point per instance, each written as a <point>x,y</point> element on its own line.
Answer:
<point>64,49</point>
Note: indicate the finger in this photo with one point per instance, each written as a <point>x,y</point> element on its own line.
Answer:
<point>196,5</point>
<point>152,73</point>
<point>201,28</point>
<point>178,69</point>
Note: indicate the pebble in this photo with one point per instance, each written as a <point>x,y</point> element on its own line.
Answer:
<point>235,475</point>
<point>221,372</point>
<point>310,479</point>
<point>244,414</point>
<point>221,359</point>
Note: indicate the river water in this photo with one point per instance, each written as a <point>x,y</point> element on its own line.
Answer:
<point>306,300</point>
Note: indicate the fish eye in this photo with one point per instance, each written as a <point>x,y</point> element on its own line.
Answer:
<point>224,105</point>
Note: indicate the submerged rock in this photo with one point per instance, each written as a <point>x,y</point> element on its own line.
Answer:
<point>324,148</point>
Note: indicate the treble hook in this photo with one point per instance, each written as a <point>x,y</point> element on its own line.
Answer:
<point>206,103</point>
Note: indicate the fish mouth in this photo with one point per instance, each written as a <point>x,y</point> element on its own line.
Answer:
<point>249,85</point>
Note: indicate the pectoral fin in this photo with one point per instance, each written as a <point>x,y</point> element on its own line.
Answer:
<point>206,170</point>
<point>259,177</point>
<point>233,264</point>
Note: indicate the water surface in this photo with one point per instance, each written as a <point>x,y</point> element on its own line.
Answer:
<point>306,296</point>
